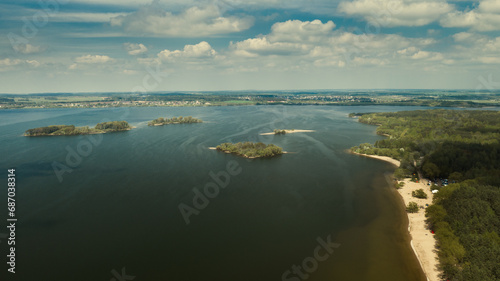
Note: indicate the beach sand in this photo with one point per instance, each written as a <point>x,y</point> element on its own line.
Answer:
<point>290,132</point>
<point>423,241</point>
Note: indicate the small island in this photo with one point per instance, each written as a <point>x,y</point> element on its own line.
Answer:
<point>283,132</point>
<point>71,130</point>
<point>174,120</point>
<point>250,149</point>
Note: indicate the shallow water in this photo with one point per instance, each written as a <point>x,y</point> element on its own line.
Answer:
<point>119,206</point>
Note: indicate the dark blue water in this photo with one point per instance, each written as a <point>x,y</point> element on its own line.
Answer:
<point>89,206</point>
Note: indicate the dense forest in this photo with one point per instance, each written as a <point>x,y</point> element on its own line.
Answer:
<point>71,130</point>
<point>464,148</point>
<point>251,150</point>
<point>175,120</point>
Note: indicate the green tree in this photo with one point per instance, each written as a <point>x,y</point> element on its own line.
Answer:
<point>412,207</point>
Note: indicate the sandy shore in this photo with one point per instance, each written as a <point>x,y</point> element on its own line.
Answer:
<point>383,158</point>
<point>290,132</point>
<point>422,242</point>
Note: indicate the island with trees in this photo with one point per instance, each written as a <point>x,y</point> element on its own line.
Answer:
<point>462,147</point>
<point>284,132</point>
<point>174,120</point>
<point>71,130</point>
<point>250,149</point>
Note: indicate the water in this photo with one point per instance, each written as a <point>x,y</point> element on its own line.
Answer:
<point>119,206</point>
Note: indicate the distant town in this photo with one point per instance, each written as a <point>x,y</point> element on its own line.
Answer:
<point>434,98</point>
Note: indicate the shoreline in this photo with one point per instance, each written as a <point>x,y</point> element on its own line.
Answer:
<point>422,241</point>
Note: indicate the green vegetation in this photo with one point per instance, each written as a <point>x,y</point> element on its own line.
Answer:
<point>442,98</point>
<point>412,207</point>
<point>463,147</point>
<point>174,120</point>
<point>71,130</point>
<point>113,126</point>
<point>279,132</point>
<point>419,193</point>
<point>251,150</point>
<point>466,220</point>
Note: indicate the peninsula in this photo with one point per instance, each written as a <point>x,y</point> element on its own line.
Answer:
<point>459,153</point>
<point>250,149</point>
<point>71,130</point>
<point>174,120</point>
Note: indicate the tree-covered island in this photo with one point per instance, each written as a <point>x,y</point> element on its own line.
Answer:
<point>71,130</point>
<point>279,132</point>
<point>463,148</point>
<point>250,149</point>
<point>174,120</point>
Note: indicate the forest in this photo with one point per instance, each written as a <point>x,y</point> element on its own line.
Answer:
<point>250,149</point>
<point>71,130</point>
<point>463,147</point>
<point>174,120</point>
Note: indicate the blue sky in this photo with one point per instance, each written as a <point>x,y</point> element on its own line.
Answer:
<point>186,45</point>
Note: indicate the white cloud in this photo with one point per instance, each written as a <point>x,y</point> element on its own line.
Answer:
<point>7,63</point>
<point>27,48</point>
<point>486,17</point>
<point>292,37</point>
<point>299,31</point>
<point>193,22</point>
<point>396,13</point>
<point>198,51</point>
<point>10,62</point>
<point>93,59</point>
<point>290,44</point>
<point>135,49</point>
<point>489,60</point>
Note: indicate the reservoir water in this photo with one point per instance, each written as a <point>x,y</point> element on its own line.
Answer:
<point>112,208</point>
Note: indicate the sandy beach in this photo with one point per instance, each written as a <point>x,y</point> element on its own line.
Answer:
<point>289,132</point>
<point>422,242</point>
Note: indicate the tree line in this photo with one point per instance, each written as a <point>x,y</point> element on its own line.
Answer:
<point>250,149</point>
<point>461,146</point>
<point>174,120</point>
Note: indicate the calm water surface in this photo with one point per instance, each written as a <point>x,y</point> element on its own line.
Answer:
<point>119,205</point>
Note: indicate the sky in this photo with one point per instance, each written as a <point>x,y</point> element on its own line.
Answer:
<point>210,45</point>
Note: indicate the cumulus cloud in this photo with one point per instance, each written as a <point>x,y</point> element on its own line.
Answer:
<point>486,17</point>
<point>198,51</point>
<point>93,59</point>
<point>193,22</point>
<point>27,48</point>
<point>298,31</point>
<point>292,37</point>
<point>398,12</point>
<point>316,43</point>
<point>7,62</point>
<point>135,49</point>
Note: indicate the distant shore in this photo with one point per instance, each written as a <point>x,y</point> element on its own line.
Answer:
<point>422,241</point>
<point>289,132</point>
